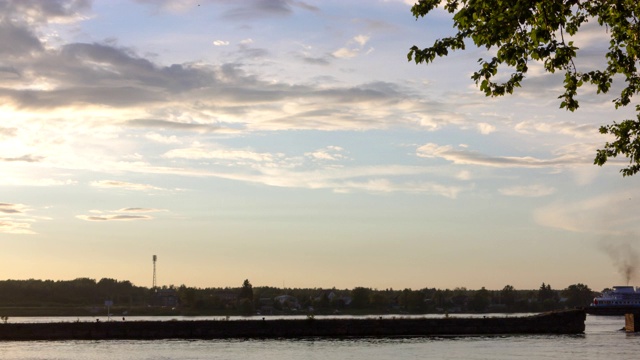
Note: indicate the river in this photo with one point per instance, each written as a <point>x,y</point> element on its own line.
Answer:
<point>602,340</point>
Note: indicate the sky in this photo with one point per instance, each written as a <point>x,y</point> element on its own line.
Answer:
<point>291,143</point>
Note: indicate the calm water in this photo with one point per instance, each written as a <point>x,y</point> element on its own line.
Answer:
<point>602,340</point>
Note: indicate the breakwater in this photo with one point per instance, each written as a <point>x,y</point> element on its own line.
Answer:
<point>563,322</point>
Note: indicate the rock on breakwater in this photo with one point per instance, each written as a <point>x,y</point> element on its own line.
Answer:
<point>564,322</point>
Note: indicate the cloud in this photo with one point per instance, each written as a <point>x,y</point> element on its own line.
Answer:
<point>345,53</point>
<point>6,208</point>
<point>609,214</point>
<point>260,9</point>
<point>361,40</point>
<point>174,125</point>
<point>54,11</point>
<point>252,53</point>
<point>138,210</point>
<point>528,191</point>
<point>9,226</point>
<point>562,127</point>
<point>464,157</point>
<point>387,186</point>
<point>106,184</point>
<point>17,42</point>
<point>220,43</point>
<point>353,47</point>
<point>330,153</point>
<point>7,132</point>
<point>315,60</point>
<point>244,10</point>
<point>486,129</point>
<point>15,220</point>
<point>172,5</point>
<point>124,214</point>
<point>196,153</point>
<point>113,217</point>
<point>24,158</point>
<point>104,76</point>
<point>155,137</point>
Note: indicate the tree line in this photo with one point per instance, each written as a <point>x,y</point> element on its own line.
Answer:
<point>246,299</point>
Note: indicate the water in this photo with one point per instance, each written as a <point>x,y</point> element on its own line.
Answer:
<point>602,340</point>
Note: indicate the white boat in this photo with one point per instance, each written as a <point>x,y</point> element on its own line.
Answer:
<point>620,296</point>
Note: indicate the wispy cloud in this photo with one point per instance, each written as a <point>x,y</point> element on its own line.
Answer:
<point>195,153</point>
<point>174,125</point>
<point>11,226</point>
<point>124,214</point>
<point>24,158</point>
<point>115,184</point>
<point>6,132</point>
<point>15,220</point>
<point>610,214</point>
<point>528,191</point>
<point>139,210</point>
<point>6,208</point>
<point>465,157</point>
<point>560,127</point>
<point>330,153</point>
<point>115,217</point>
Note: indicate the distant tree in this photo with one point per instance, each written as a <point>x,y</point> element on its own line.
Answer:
<point>545,292</point>
<point>519,33</point>
<point>360,297</point>
<point>460,298</point>
<point>578,295</point>
<point>246,291</point>
<point>508,296</point>
<point>187,296</point>
<point>412,301</point>
<point>245,298</point>
<point>480,300</point>
<point>440,299</point>
<point>547,297</point>
<point>379,300</point>
<point>245,306</point>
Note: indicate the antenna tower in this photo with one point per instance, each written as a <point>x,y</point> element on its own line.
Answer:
<point>155,258</point>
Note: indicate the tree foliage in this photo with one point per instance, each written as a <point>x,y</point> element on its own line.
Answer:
<point>246,291</point>
<point>578,295</point>
<point>522,31</point>
<point>360,297</point>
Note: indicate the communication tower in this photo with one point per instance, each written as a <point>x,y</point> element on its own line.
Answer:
<point>155,258</point>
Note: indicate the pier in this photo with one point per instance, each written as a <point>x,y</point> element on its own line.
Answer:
<point>631,315</point>
<point>561,322</point>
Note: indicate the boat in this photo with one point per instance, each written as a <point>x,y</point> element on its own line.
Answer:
<point>618,297</point>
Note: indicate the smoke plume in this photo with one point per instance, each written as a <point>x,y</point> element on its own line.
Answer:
<point>624,256</point>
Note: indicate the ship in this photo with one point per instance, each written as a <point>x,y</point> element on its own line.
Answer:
<point>618,297</point>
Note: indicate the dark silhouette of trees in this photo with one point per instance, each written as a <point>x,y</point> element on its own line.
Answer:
<point>245,298</point>
<point>578,295</point>
<point>246,292</point>
<point>86,295</point>
<point>360,297</point>
<point>508,297</point>
<point>480,300</point>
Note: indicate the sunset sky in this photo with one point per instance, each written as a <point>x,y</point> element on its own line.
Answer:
<point>291,143</point>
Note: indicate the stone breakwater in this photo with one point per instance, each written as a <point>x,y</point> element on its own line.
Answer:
<point>565,322</point>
